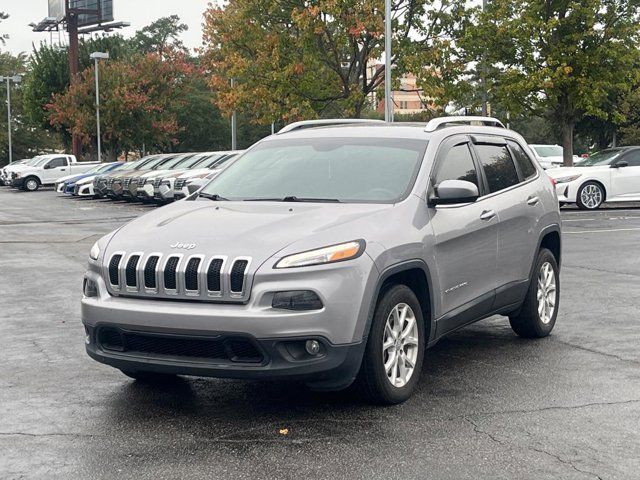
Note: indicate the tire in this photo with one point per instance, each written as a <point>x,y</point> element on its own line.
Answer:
<point>31,184</point>
<point>374,380</point>
<point>590,196</point>
<point>149,377</point>
<point>528,321</point>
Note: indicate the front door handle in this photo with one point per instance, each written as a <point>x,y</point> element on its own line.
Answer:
<point>487,215</point>
<point>532,201</point>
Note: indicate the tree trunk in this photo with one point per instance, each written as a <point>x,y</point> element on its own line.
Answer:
<point>567,144</point>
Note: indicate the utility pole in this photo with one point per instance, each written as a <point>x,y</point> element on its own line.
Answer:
<point>14,79</point>
<point>483,74</point>
<point>234,123</point>
<point>72,29</point>
<point>388,105</point>
<point>96,57</point>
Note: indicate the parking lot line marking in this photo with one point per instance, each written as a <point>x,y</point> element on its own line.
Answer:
<point>607,230</point>
<point>601,218</point>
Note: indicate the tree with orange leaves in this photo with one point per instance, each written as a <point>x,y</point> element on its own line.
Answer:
<point>306,58</point>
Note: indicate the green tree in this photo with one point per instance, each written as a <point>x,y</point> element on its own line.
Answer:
<point>3,36</point>
<point>296,58</point>
<point>563,57</point>
<point>161,36</point>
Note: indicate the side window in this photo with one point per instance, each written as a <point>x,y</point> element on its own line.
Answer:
<point>457,165</point>
<point>58,162</point>
<point>633,158</point>
<point>523,160</point>
<point>498,166</point>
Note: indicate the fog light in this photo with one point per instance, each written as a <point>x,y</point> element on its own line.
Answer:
<point>90,289</point>
<point>296,300</point>
<point>312,347</point>
<point>87,336</point>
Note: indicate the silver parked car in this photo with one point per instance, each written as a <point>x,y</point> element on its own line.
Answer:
<point>332,254</point>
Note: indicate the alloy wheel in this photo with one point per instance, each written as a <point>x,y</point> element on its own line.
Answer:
<point>591,196</point>
<point>400,345</point>
<point>547,293</point>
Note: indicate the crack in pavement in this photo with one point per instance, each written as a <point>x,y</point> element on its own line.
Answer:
<point>494,439</point>
<point>559,407</point>
<point>598,352</point>
<point>565,462</point>
<point>601,270</point>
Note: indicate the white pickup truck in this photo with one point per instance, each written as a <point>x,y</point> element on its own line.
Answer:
<point>47,170</point>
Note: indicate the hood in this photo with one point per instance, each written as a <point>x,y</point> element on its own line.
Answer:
<point>195,172</point>
<point>86,179</point>
<point>568,171</point>
<point>255,229</point>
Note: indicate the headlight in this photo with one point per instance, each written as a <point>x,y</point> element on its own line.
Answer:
<point>94,254</point>
<point>331,254</point>
<point>568,179</point>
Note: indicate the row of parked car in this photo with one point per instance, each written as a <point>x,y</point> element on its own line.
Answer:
<point>159,178</point>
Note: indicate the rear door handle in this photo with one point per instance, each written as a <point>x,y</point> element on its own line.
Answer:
<point>487,215</point>
<point>532,200</point>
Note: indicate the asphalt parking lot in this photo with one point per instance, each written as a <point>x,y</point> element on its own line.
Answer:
<point>489,405</point>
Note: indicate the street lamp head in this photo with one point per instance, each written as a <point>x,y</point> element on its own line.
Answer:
<point>99,56</point>
<point>16,78</point>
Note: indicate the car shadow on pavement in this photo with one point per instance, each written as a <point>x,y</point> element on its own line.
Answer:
<point>474,362</point>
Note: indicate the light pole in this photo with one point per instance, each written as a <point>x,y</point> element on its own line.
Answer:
<point>96,57</point>
<point>234,123</point>
<point>14,79</point>
<point>388,112</point>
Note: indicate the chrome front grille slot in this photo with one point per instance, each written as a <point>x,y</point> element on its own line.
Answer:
<point>214,278</point>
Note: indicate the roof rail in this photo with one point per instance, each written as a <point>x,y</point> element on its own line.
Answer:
<point>324,123</point>
<point>436,123</point>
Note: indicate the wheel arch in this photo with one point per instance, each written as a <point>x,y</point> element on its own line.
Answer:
<point>32,176</point>
<point>416,275</point>
<point>593,180</point>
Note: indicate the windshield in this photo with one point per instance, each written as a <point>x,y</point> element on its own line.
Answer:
<point>41,161</point>
<point>335,169</point>
<point>604,157</point>
<point>548,150</point>
<point>161,160</point>
<point>222,160</point>
<point>189,161</point>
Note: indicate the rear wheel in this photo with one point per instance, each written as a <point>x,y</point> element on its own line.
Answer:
<point>31,184</point>
<point>590,196</point>
<point>537,316</point>
<point>393,357</point>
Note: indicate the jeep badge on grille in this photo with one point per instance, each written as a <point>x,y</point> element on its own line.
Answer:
<point>184,246</point>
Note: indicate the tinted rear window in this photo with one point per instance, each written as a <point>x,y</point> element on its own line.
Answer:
<point>498,166</point>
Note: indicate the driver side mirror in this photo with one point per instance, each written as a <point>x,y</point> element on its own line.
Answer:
<point>449,192</point>
<point>47,166</point>
<point>620,164</point>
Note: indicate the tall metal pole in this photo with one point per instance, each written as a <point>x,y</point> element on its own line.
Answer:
<point>9,118</point>
<point>98,110</point>
<point>234,123</point>
<point>483,78</point>
<point>388,105</point>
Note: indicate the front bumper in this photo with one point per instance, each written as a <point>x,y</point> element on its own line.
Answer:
<point>345,289</point>
<point>567,192</point>
<point>334,368</point>
<point>17,182</point>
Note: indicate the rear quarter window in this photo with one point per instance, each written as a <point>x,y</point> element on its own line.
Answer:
<point>522,159</point>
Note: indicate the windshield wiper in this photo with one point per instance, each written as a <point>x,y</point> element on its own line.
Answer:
<point>293,198</point>
<point>212,196</point>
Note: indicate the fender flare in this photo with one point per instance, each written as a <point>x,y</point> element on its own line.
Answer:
<point>399,268</point>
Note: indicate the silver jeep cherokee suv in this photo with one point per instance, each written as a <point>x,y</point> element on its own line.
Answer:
<point>332,254</point>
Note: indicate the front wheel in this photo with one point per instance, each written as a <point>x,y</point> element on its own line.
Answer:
<point>537,316</point>
<point>590,196</point>
<point>31,184</point>
<point>393,357</point>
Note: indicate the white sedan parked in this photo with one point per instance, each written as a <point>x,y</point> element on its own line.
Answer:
<point>550,156</point>
<point>611,175</point>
